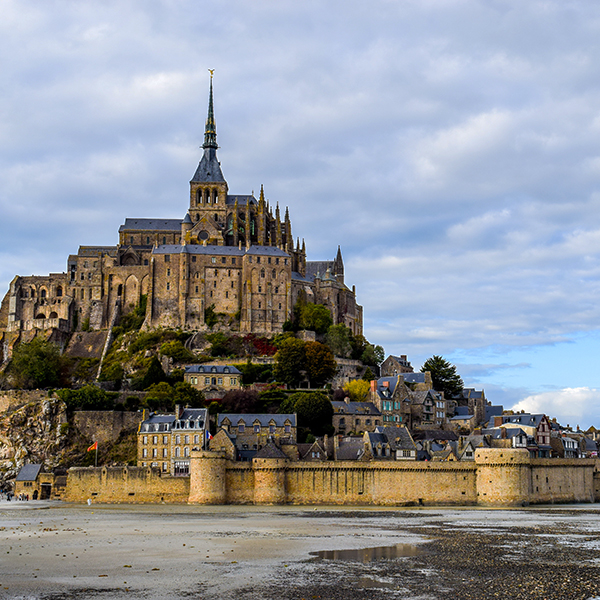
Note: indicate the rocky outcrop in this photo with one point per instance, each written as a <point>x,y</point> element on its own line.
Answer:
<point>34,431</point>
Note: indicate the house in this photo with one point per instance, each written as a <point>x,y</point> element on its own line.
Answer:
<point>467,446</point>
<point>399,440</point>
<point>349,448</point>
<point>511,437</point>
<point>253,431</point>
<point>33,483</point>
<point>165,441</point>
<point>564,446</point>
<point>315,452</point>
<point>391,397</point>
<point>355,417</point>
<point>462,419</point>
<point>213,380</point>
<point>537,425</point>
<point>393,365</point>
<point>428,409</point>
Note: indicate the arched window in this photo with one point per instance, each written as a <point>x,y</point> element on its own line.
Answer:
<point>216,197</point>
<point>42,293</point>
<point>207,197</point>
<point>59,291</point>
<point>199,197</point>
<point>274,274</point>
<point>40,316</point>
<point>216,217</point>
<point>262,272</point>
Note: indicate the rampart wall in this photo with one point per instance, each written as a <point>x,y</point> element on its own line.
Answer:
<point>498,477</point>
<point>124,484</point>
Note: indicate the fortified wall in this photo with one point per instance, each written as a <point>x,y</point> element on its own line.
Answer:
<point>497,477</point>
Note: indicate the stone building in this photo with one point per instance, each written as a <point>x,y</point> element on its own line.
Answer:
<point>165,441</point>
<point>231,254</point>
<point>254,431</point>
<point>213,378</point>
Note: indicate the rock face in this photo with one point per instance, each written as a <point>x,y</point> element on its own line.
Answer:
<point>33,429</point>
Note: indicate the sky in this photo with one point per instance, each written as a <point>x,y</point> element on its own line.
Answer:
<point>451,147</point>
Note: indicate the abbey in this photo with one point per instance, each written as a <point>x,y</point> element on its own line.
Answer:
<point>230,254</point>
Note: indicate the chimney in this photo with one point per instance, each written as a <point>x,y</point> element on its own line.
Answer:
<point>386,384</point>
<point>497,421</point>
<point>503,433</point>
<point>177,411</point>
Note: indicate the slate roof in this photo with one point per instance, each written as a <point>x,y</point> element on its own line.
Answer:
<point>95,250</point>
<point>29,472</point>
<point>266,251</point>
<point>159,423</point>
<point>399,438</point>
<point>151,225</point>
<point>354,408</point>
<point>526,419</point>
<point>270,450</point>
<point>381,389</point>
<point>218,369</point>
<point>297,277</point>
<point>350,448</point>
<point>209,168</point>
<point>318,266</point>
<point>420,396</point>
<point>462,411</point>
<point>435,434</point>
<point>497,432</point>
<point>242,200</point>
<point>220,250</point>
<point>493,411</point>
<point>263,418</point>
<point>413,377</point>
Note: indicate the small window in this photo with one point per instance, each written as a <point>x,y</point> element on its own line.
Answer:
<point>164,240</point>
<point>168,272</point>
<point>223,259</point>
<point>269,260</point>
<point>287,428</point>
<point>213,259</point>
<point>241,428</point>
<point>193,259</point>
<point>257,428</point>
<point>167,258</point>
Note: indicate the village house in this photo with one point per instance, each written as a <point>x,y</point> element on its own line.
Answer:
<point>213,380</point>
<point>165,441</point>
<point>253,431</point>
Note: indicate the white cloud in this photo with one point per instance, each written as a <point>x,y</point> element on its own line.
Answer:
<point>573,406</point>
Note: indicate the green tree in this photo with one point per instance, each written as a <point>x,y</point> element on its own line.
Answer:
<point>177,351</point>
<point>154,374</point>
<point>315,317</point>
<point>313,409</point>
<point>444,376</point>
<point>37,364</point>
<point>160,397</point>
<point>320,363</point>
<point>187,395</point>
<point>290,361</point>
<point>89,397</point>
<point>338,339</point>
<point>373,355</point>
<point>368,375</point>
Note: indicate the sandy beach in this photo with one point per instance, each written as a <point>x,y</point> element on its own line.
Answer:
<point>52,550</point>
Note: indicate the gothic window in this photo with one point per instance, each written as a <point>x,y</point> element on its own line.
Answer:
<point>164,240</point>
<point>262,272</point>
<point>216,198</point>
<point>274,274</point>
<point>59,291</point>
<point>199,197</point>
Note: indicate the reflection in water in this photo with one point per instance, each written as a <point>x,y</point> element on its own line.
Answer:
<point>369,554</point>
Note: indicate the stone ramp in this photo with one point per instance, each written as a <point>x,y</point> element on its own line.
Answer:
<point>86,344</point>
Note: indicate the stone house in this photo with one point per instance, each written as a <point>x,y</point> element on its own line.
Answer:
<point>393,442</point>
<point>214,380</point>
<point>355,417</point>
<point>253,431</point>
<point>165,441</point>
<point>536,425</point>
<point>428,409</point>
<point>394,365</point>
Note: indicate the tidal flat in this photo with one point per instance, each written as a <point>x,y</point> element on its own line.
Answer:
<point>59,551</point>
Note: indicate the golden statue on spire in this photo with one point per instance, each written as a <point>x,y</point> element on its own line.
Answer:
<point>211,71</point>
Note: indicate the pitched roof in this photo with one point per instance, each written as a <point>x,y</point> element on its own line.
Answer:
<point>29,472</point>
<point>413,377</point>
<point>242,200</point>
<point>350,448</point>
<point>263,418</point>
<point>151,225</point>
<point>399,438</point>
<point>354,408</point>
<point>270,450</point>
<point>219,369</point>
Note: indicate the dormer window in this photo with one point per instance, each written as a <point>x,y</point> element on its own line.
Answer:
<point>213,370</point>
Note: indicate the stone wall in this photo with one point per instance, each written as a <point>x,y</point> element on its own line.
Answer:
<point>498,477</point>
<point>125,484</point>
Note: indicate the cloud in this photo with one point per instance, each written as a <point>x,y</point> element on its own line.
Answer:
<point>574,406</point>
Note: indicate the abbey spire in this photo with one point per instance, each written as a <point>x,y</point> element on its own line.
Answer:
<point>209,169</point>
<point>210,129</point>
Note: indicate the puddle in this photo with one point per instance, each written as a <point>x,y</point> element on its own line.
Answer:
<point>370,554</point>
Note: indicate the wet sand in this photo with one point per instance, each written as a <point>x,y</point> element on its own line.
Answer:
<point>52,551</point>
